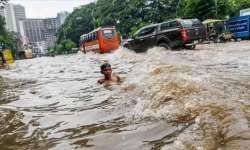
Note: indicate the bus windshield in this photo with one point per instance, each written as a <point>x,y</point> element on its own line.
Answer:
<point>108,33</point>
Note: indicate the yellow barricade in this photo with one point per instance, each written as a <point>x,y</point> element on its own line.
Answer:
<point>8,56</point>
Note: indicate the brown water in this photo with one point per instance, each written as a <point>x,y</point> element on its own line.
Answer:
<point>168,100</point>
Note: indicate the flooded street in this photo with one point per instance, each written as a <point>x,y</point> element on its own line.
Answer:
<point>190,99</point>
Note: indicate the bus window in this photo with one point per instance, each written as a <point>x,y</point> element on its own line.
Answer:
<point>95,35</point>
<point>88,39</point>
<point>108,33</point>
<point>92,36</point>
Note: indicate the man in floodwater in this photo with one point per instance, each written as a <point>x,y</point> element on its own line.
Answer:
<point>109,78</point>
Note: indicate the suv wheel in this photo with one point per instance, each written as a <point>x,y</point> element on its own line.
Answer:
<point>165,45</point>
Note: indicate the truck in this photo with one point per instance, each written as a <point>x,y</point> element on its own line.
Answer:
<point>171,34</point>
<point>240,26</point>
<point>28,53</point>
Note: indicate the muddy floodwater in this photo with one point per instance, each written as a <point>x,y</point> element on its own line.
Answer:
<point>168,100</point>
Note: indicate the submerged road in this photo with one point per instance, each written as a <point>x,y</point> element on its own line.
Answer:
<point>190,99</point>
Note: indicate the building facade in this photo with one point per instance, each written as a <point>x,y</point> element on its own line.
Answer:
<point>13,14</point>
<point>51,26</point>
<point>19,11</point>
<point>33,29</point>
<point>41,33</point>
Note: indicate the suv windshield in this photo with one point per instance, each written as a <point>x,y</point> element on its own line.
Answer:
<point>145,31</point>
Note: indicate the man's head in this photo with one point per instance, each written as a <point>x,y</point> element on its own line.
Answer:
<point>106,70</point>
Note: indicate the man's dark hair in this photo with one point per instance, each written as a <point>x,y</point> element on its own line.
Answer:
<point>105,65</point>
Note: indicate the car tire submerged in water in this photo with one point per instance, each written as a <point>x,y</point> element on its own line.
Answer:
<point>164,45</point>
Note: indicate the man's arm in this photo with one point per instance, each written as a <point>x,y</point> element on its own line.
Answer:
<point>100,81</point>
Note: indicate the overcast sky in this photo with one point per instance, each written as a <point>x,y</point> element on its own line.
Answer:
<point>48,8</point>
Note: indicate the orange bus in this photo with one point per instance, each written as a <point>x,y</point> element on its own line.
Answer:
<point>101,40</point>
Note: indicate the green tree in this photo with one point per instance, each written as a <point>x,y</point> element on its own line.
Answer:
<point>79,22</point>
<point>5,37</point>
<point>8,39</point>
<point>129,16</point>
<point>2,26</point>
<point>68,45</point>
<point>237,5</point>
<point>198,9</point>
<point>218,9</point>
<point>59,48</point>
<point>64,46</point>
<point>51,49</point>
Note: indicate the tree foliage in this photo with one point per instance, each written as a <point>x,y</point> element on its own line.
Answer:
<point>6,38</point>
<point>218,9</point>
<point>129,15</point>
<point>2,26</point>
<point>77,23</point>
<point>3,32</point>
<point>126,15</point>
<point>65,46</point>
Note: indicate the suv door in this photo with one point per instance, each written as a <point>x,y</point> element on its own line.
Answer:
<point>145,38</point>
<point>171,31</point>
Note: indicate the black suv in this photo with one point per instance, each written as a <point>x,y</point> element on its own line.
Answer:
<point>169,34</point>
